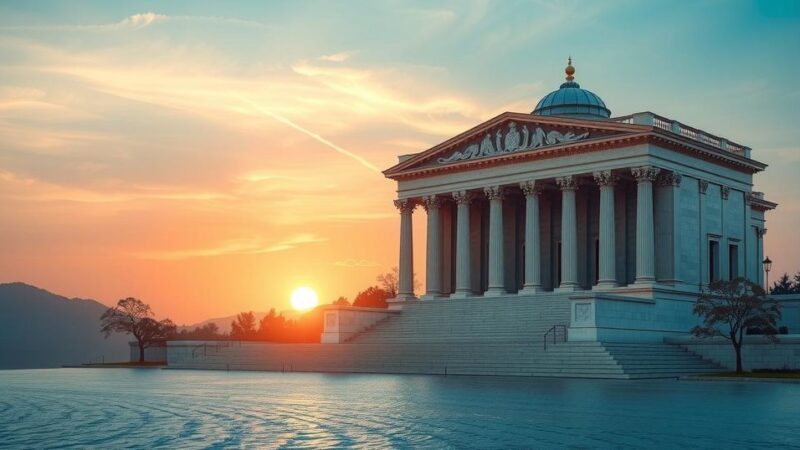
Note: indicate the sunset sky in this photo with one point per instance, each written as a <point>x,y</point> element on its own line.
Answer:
<point>209,157</point>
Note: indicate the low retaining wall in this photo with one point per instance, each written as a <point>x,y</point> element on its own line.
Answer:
<point>156,352</point>
<point>341,323</point>
<point>757,351</point>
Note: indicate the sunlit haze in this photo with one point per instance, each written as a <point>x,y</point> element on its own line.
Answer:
<point>210,157</point>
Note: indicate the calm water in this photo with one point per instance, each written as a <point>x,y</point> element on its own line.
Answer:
<point>163,408</point>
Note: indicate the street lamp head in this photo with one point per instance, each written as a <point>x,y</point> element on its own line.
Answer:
<point>767,264</point>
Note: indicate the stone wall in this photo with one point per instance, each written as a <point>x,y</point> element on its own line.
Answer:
<point>157,352</point>
<point>757,352</point>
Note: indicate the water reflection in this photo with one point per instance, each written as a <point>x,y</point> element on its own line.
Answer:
<point>151,408</point>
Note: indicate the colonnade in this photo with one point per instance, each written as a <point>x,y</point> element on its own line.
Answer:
<point>568,185</point>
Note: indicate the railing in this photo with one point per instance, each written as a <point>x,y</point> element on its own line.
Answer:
<point>554,331</point>
<point>673,126</point>
<point>205,346</point>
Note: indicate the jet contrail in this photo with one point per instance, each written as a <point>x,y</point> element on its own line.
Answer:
<point>312,135</point>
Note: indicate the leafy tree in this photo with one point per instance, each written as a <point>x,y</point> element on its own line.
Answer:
<point>209,331</point>
<point>244,327</point>
<point>728,308</point>
<point>272,327</point>
<point>341,301</point>
<point>133,316</point>
<point>372,297</point>
<point>784,285</point>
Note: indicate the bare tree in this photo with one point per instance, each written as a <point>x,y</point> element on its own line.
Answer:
<point>133,316</point>
<point>390,282</point>
<point>729,308</point>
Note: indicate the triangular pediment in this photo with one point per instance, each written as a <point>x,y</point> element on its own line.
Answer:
<point>511,134</point>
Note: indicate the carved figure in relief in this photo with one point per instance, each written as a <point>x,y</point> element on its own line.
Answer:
<point>530,139</point>
<point>512,138</point>
<point>486,145</point>
<point>525,134</point>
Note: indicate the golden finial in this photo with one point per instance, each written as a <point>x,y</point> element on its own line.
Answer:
<point>570,70</point>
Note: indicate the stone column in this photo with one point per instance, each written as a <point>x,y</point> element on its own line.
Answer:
<point>569,234</point>
<point>433,261</point>
<point>497,285</point>
<point>533,269</point>
<point>645,237</point>
<point>463,281</point>
<point>406,281</point>
<point>607,276</point>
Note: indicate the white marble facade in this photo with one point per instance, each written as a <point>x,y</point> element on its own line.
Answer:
<point>636,205</point>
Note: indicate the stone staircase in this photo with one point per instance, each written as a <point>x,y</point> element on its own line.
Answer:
<point>475,336</point>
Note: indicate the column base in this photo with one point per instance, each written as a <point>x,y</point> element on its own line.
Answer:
<point>397,303</point>
<point>462,294</point>
<point>431,296</point>
<point>568,288</point>
<point>649,281</point>
<point>604,285</point>
<point>530,290</point>
<point>495,292</point>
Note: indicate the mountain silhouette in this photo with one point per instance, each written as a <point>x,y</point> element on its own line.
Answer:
<point>39,329</point>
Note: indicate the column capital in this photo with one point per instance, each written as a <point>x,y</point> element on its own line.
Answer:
<point>405,205</point>
<point>760,232</point>
<point>431,202</point>
<point>605,178</point>
<point>494,192</point>
<point>645,173</point>
<point>462,197</point>
<point>670,179</point>
<point>568,183</point>
<point>725,191</point>
<point>703,185</point>
<point>531,188</point>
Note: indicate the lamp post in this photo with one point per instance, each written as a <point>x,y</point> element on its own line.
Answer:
<point>767,267</point>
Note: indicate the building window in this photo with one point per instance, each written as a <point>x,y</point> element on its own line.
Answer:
<point>733,261</point>
<point>713,261</point>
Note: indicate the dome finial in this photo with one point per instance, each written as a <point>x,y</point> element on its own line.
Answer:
<point>570,70</point>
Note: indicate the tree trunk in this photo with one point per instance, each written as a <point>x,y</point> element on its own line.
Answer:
<point>141,352</point>
<point>738,358</point>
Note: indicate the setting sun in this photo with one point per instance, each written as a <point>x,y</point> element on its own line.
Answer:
<point>304,298</point>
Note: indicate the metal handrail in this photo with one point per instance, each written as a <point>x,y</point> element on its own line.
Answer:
<point>205,346</point>
<point>554,330</point>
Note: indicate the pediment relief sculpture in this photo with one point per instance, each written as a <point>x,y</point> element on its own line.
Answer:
<point>512,141</point>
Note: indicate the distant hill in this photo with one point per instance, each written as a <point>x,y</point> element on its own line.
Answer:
<point>40,329</point>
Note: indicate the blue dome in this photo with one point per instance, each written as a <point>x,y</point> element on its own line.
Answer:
<point>572,101</point>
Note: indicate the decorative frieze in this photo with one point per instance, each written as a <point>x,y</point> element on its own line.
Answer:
<point>512,141</point>
<point>645,173</point>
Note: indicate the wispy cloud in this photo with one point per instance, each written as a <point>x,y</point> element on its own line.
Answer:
<point>247,246</point>
<point>356,263</point>
<point>336,57</point>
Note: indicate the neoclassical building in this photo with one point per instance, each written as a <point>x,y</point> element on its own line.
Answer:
<point>569,200</point>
